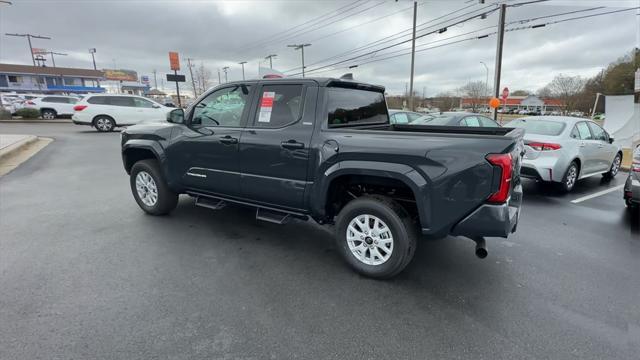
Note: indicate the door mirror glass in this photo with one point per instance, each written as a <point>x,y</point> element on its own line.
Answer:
<point>176,116</point>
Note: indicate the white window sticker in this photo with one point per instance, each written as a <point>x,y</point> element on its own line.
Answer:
<point>266,105</point>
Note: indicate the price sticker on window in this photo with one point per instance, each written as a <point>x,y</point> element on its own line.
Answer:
<point>266,105</point>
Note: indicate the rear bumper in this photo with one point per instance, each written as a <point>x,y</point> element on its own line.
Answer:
<point>492,220</point>
<point>545,168</point>
<point>632,189</point>
<point>79,121</point>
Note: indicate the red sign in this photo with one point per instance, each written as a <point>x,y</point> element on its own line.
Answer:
<point>174,60</point>
<point>505,94</point>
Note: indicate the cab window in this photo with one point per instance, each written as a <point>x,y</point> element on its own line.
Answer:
<point>279,106</point>
<point>223,107</point>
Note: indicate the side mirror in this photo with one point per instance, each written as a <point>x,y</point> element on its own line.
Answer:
<point>155,106</point>
<point>611,140</point>
<point>176,116</point>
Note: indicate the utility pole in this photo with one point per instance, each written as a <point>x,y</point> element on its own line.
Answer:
<point>53,61</point>
<point>270,57</point>
<point>496,81</point>
<point>413,54</point>
<point>242,63</point>
<point>193,83</point>
<point>33,60</point>
<point>225,73</point>
<point>300,47</point>
<point>155,78</point>
<point>92,51</point>
<point>219,79</point>
<point>486,82</point>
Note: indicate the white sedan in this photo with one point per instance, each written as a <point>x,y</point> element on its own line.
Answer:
<point>105,112</point>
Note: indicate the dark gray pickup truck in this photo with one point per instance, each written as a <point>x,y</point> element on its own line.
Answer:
<point>324,149</point>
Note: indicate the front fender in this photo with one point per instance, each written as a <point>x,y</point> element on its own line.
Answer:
<point>145,144</point>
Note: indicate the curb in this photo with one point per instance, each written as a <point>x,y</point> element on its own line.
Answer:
<point>38,121</point>
<point>17,146</point>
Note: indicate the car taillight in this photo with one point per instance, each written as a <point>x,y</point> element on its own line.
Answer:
<point>541,146</point>
<point>635,166</point>
<point>30,102</point>
<point>505,163</point>
<point>79,107</point>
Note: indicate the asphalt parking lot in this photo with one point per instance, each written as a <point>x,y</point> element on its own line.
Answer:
<point>84,273</point>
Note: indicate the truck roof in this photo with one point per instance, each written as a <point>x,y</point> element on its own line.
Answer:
<point>323,82</point>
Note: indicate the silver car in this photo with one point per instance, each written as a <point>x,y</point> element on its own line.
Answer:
<point>632,186</point>
<point>563,149</point>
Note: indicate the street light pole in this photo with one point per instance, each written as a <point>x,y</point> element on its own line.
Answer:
<point>270,57</point>
<point>193,83</point>
<point>486,82</point>
<point>225,73</point>
<point>413,54</point>
<point>242,63</point>
<point>53,61</point>
<point>300,47</point>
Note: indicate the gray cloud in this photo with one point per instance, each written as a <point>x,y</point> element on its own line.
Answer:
<point>138,35</point>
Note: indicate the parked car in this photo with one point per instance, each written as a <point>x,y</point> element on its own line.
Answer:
<point>564,149</point>
<point>632,185</point>
<point>52,106</point>
<point>456,119</point>
<point>403,117</point>
<point>105,112</point>
<point>325,149</point>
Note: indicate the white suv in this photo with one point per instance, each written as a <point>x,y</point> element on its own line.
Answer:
<point>105,112</point>
<point>51,106</point>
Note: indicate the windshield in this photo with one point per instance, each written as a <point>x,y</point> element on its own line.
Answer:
<point>539,127</point>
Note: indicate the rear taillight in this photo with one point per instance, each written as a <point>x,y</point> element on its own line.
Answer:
<point>29,102</point>
<point>635,166</point>
<point>79,107</point>
<point>505,163</point>
<point>541,146</point>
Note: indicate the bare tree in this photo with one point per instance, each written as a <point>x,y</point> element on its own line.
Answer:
<point>544,92</point>
<point>445,101</point>
<point>475,92</point>
<point>202,78</point>
<point>567,89</point>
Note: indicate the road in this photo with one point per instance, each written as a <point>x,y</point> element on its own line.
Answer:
<point>85,274</point>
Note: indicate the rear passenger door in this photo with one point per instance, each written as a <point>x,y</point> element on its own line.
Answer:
<point>274,147</point>
<point>587,148</point>
<point>605,151</point>
<point>122,110</point>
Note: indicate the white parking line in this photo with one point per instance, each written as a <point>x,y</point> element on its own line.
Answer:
<point>599,193</point>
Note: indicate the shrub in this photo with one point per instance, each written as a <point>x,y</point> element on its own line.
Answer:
<point>5,115</point>
<point>28,113</point>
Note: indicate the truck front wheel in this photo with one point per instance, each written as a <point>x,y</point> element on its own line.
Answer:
<point>375,236</point>
<point>150,190</point>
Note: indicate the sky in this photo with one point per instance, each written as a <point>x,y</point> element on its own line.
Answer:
<point>138,34</point>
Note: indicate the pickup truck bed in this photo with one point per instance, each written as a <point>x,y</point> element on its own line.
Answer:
<point>324,149</point>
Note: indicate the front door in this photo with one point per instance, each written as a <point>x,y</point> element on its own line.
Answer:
<point>274,150</point>
<point>207,154</point>
<point>605,151</point>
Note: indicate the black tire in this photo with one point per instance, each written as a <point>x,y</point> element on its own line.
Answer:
<point>104,123</point>
<point>402,229</point>
<point>48,114</point>
<point>566,185</point>
<point>167,200</point>
<point>615,167</point>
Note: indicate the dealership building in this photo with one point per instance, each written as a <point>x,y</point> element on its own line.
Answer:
<point>28,78</point>
<point>530,103</point>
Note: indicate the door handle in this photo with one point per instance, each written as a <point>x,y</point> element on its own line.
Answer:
<point>228,140</point>
<point>292,144</point>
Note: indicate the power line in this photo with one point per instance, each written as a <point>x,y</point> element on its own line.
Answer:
<point>397,35</point>
<point>344,13</point>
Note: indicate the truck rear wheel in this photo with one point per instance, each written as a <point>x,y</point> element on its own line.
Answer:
<point>375,236</point>
<point>150,190</point>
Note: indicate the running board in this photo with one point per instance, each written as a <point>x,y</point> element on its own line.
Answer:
<point>214,204</point>
<point>272,216</point>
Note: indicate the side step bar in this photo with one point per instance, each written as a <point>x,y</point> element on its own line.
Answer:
<point>214,204</point>
<point>272,216</point>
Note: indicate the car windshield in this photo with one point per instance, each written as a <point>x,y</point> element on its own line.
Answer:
<point>441,119</point>
<point>539,127</point>
<point>421,120</point>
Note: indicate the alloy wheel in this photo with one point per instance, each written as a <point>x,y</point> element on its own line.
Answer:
<point>146,188</point>
<point>370,239</point>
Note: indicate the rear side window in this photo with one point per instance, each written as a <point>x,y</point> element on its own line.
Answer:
<point>355,107</point>
<point>121,101</point>
<point>279,105</point>
<point>98,100</point>
<point>539,127</point>
<point>471,121</point>
<point>400,118</point>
